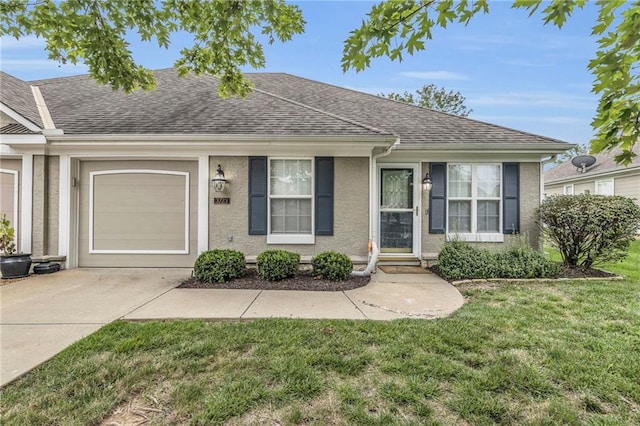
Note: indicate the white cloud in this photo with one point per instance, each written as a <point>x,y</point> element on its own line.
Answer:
<point>433,75</point>
<point>26,42</point>
<point>534,99</point>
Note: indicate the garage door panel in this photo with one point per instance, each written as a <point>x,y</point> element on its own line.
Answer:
<point>123,231</point>
<point>138,213</point>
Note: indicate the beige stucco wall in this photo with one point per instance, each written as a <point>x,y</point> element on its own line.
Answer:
<point>53,204</point>
<point>351,207</point>
<point>39,205</point>
<point>529,201</point>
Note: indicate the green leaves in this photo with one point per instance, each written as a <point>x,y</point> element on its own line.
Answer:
<point>405,25</point>
<point>94,31</point>
<point>436,98</point>
<point>408,24</point>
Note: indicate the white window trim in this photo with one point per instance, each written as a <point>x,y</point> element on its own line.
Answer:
<point>601,181</point>
<point>291,238</point>
<point>476,236</point>
<point>16,200</point>
<point>571,189</point>
<point>140,171</point>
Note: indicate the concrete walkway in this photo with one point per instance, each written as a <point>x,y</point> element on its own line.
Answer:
<point>42,315</point>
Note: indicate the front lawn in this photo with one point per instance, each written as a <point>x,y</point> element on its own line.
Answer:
<point>554,353</point>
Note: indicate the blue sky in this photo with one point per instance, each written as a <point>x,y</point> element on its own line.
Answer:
<point>513,70</point>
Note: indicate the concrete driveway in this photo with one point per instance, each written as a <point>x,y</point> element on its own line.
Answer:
<point>42,315</point>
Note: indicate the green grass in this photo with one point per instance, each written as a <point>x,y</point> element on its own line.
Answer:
<point>628,267</point>
<point>553,353</point>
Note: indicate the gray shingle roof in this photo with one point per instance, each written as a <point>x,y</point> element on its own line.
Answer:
<point>16,129</point>
<point>17,95</point>
<point>187,105</point>
<point>411,123</point>
<point>605,163</point>
<point>282,104</point>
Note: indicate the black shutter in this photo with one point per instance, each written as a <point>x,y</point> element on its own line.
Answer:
<point>257,195</point>
<point>511,198</point>
<point>324,195</point>
<point>438,198</point>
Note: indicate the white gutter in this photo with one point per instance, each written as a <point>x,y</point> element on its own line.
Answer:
<point>68,139</point>
<point>544,148</point>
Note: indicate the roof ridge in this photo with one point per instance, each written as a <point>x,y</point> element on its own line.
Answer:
<point>346,120</point>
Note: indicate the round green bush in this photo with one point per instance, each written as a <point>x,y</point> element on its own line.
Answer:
<point>332,265</point>
<point>458,260</point>
<point>276,265</point>
<point>220,265</point>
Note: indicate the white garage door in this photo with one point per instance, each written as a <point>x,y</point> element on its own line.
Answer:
<point>138,214</point>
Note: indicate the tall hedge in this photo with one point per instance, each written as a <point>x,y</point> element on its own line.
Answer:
<point>589,229</point>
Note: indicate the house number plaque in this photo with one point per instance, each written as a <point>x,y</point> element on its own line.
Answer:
<point>225,200</point>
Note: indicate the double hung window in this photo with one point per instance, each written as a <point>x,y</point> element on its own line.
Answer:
<point>474,198</point>
<point>290,200</point>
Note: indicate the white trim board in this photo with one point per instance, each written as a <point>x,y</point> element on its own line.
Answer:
<point>92,175</point>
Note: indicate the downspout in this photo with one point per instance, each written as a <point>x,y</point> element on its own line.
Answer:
<point>542,164</point>
<point>373,246</point>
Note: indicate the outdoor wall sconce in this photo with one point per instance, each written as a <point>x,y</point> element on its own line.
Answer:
<point>219,182</point>
<point>427,184</point>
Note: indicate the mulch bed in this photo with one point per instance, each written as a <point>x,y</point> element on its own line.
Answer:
<point>305,281</point>
<point>580,272</point>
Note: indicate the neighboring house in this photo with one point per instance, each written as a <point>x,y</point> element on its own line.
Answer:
<point>97,178</point>
<point>604,177</point>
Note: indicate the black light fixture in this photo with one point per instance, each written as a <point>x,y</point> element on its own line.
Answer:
<point>218,180</point>
<point>427,184</point>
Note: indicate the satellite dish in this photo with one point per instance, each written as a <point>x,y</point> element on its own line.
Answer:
<point>583,161</point>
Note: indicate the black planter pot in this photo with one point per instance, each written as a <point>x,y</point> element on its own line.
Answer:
<point>15,265</point>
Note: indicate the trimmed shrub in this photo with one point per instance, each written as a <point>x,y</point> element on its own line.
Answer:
<point>524,262</point>
<point>219,265</point>
<point>332,265</point>
<point>276,265</point>
<point>459,260</point>
<point>589,229</point>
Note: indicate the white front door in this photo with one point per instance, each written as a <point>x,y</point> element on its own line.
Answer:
<point>399,218</point>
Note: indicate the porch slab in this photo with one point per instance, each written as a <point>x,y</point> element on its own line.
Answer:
<point>394,296</point>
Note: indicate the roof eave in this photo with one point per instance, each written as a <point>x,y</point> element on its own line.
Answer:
<point>525,148</point>
<point>589,176</point>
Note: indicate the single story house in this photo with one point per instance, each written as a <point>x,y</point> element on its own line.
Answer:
<point>97,178</point>
<point>603,177</point>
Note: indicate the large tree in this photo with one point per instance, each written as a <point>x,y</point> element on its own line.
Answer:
<point>434,97</point>
<point>94,31</point>
<point>225,39</point>
<point>394,28</point>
